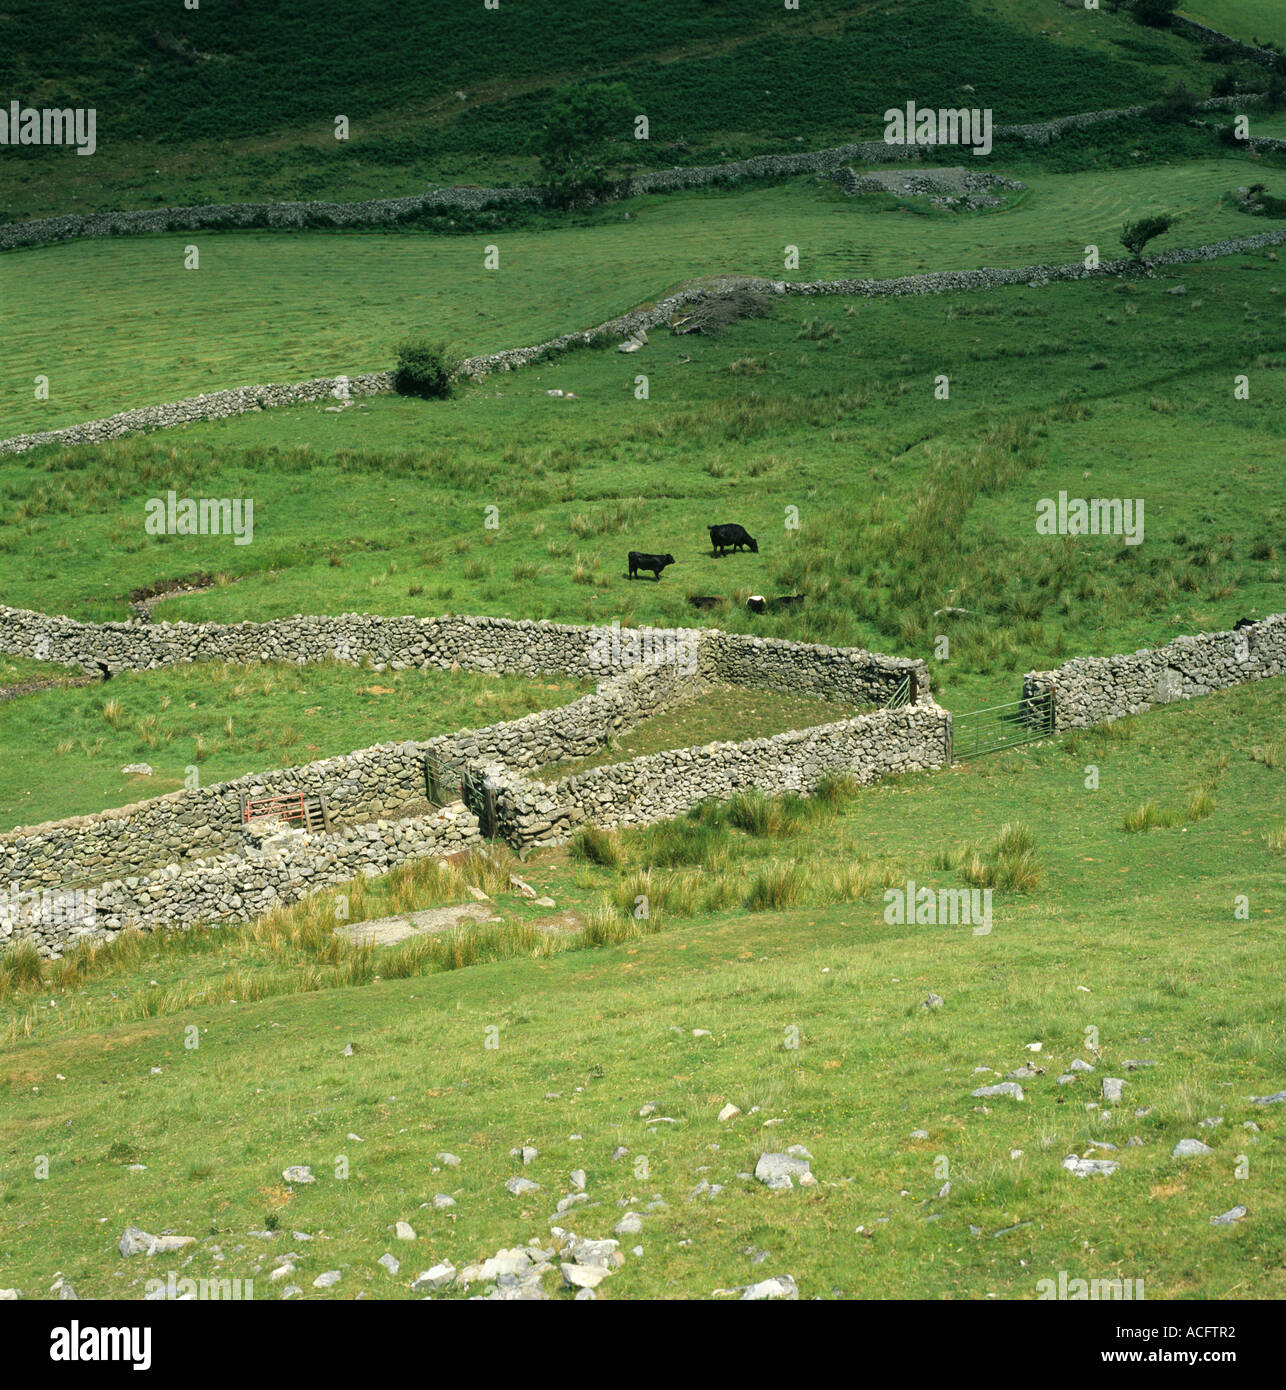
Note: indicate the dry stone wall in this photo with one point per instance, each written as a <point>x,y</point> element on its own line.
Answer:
<point>494,645</point>
<point>1089,690</point>
<point>186,857</point>
<point>238,886</point>
<point>642,670</point>
<point>389,212</point>
<point>911,739</point>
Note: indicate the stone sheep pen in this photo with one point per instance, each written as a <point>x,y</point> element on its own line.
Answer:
<point>190,857</point>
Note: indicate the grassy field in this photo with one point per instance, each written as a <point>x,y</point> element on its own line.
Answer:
<point>133,327</point>
<point>65,748</point>
<point>1259,21</point>
<point>191,111</point>
<point>906,504</point>
<point>1114,949</point>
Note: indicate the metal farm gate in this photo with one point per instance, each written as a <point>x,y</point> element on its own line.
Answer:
<point>445,782</point>
<point>1002,726</point>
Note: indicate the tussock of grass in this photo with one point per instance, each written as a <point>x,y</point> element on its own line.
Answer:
<point>595,846</point>
<point>1149,816</point>
<point>1011,865</point>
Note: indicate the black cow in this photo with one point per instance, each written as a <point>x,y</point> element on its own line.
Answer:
<point>731,537</point>
<point>655,563</point>
<point>1243,622</point>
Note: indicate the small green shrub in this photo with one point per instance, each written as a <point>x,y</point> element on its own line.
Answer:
<point>425,368</point>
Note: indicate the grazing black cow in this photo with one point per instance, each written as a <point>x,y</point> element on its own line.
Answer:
<point>655,563</point>
<point>1243,622</point>
<point>732,537</point>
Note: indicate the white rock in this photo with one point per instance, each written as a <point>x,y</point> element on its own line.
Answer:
<point>783,1286</point>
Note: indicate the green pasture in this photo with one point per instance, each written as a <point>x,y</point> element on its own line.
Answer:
<point>1259,21</point>
<point>116,324</point>
<point>65,749</point>
<point>906,504</point>
<point>1119,948</point>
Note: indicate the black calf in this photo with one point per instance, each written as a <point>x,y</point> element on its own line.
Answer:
<point>655,563</point>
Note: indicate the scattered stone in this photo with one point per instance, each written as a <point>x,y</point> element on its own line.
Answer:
<point>1191,1148</point>
<point>783,1286</point>
<point>577,1276</point>
<point>619,1152</point>
<point>284,1271</point>
<point>521,1186</point>
<point>134,1241</point>
<point>443,1202</point>
<point>137,770</point>
<point>1275,1099</point>
<point>167,1245</point>
<point>1228,1217</point>
<point>934,1001</point>
<point>1090,1167</point>
<point>1034,1047</point>
<point>301,1173</point>
<point>776,1171</point>
<point>1113,1088</point>
<point>1078,1065</point>
<point>919,1134</point>
<point>578,1179</point>
<point>404,1230</point>
<point>390,1262</point>
<point>327,1280</point>
<point>701,1033</point>
<point>1003,1088</point>
<point>447,1160</point>
<point>729,1112</point>
<point>436,1278</point>
<point>1134,1063</point>
<point>649,1109</point>
<point>1025,1073</point>
<point>629,1225</point>
<point>1210,1122</point>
